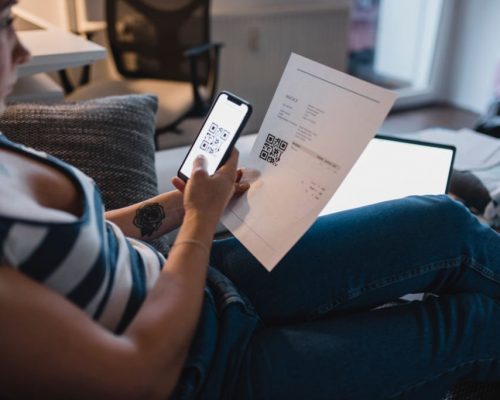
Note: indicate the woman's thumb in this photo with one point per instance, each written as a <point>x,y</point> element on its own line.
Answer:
<point>200,164</point>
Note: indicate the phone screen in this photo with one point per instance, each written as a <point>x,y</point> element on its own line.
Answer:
<point>216,134</point>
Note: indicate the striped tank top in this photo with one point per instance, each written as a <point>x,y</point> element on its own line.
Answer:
<point>88,260</point>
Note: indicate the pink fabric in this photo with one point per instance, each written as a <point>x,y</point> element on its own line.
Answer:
<point>363,31</point>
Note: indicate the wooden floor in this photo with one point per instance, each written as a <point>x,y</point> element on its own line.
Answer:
<point>441,115</point>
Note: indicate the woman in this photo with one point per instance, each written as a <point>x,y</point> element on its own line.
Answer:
<point>76,321</point>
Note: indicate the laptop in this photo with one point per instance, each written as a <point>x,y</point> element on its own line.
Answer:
<point>392,168</point>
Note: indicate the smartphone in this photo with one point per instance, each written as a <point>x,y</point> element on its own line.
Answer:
<point>220,130</point>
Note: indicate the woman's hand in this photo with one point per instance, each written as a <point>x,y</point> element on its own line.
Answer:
<point>207,196</point>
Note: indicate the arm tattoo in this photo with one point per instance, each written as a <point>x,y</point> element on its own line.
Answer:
<point>149,218</point>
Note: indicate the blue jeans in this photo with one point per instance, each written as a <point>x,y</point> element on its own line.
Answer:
<point>321,336</point>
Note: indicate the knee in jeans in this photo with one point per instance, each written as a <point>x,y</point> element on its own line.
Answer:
<point>451,211</point>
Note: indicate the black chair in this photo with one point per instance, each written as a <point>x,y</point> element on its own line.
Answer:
<point>161,47</point>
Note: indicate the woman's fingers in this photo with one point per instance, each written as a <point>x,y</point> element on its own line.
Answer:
<point>179,184</point>
<point>199,166</point>
<point>240,188</point>
<point>231,165</point>
<point>239,174</point>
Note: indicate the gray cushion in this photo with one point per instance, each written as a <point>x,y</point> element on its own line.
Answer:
<point>111,139</point>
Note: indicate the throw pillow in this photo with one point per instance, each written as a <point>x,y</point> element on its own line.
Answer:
<point>111,139</point>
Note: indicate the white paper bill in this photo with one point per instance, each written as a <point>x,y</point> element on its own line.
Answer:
<point>319,122</point>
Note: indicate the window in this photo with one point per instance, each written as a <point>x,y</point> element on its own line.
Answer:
<point>396,44</point>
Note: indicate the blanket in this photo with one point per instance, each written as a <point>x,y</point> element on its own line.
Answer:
<point>476,153</point>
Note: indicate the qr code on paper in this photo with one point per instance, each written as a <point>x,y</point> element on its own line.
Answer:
<point>215,136</point>
<point>273,149</point>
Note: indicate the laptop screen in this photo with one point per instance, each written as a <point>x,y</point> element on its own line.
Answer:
<point>391,168</point>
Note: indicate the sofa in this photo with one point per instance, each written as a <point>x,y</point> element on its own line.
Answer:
<point>112,140</point>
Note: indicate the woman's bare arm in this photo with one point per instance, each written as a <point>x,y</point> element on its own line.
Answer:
<point>159,215</point>
<point>49,346</point>
<point>56,348</point>
<point>152,218</point>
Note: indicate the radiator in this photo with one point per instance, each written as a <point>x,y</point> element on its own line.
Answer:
<point>258,44</point>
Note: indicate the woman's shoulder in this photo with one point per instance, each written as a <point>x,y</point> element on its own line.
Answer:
<point>33,188</point>
<point>18,204</point>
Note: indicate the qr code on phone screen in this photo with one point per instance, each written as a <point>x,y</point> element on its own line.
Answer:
<point>273,149</point>
<point>215,136</point>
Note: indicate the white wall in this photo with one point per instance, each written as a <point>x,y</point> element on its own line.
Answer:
<point>475,54</point>
<point>53,11</point>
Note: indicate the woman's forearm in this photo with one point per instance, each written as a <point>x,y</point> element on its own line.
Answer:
<point>168,318</point>
<point>183,277</point>
<point>150,219</point>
